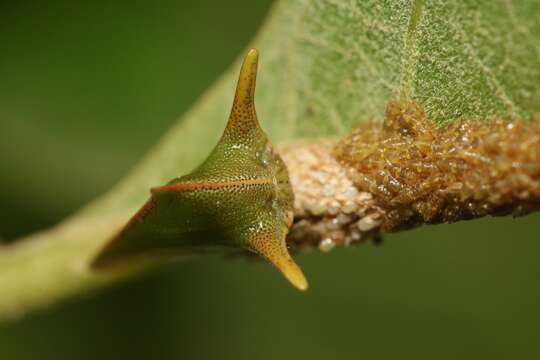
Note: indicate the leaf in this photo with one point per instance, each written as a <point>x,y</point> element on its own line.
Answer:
<point>325,67</point>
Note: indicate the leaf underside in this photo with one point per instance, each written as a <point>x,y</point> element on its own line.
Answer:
<point>327,66</point>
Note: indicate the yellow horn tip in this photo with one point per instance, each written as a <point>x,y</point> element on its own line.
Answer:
<point>292,272</point>
<point>274,250</point>
<point>253,54</point>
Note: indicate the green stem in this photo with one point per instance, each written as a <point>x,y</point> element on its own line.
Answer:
<point>47,267</point>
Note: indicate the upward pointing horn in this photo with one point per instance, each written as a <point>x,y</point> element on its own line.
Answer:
<point>243,124</point>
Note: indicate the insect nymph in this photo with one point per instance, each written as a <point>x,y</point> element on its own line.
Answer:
<point>239,197</point>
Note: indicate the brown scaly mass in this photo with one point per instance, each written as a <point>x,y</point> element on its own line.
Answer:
<point>420,173</point>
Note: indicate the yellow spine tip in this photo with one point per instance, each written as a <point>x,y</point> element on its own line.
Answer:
<point>253,54</point>
<point>296,277</point>
<point>274,250</point>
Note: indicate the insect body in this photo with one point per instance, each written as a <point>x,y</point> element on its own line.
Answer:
<point>240,196</point>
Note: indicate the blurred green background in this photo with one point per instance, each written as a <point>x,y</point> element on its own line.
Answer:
<point>92,85</point>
